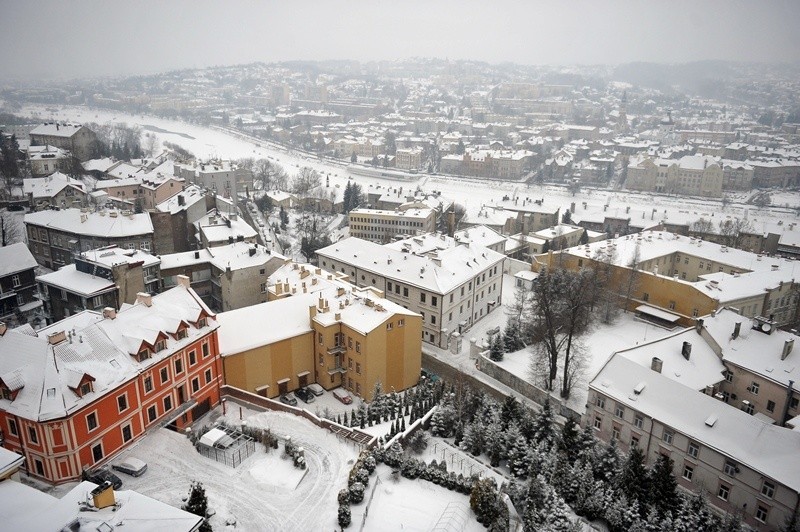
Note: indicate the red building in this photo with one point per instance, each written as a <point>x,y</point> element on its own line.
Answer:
<point>74,394</point>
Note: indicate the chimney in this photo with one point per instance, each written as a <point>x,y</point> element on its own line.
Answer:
<point>144,298</point>
<point>312,311</point>
<point>787,348</point>
<point>181,200</point>
<point>699,325</point>
<point>196,254</point>
<point>103,495</point>
<point>184,281</point>
<point>686,350</point>
<point>337,316</point>
<point>657,364</point>
<point>737,329</point>
<point>252,251</point>
<point>3,328</point>
<point>109,313</point>
<point>56,337</point>
<point>572,207</point>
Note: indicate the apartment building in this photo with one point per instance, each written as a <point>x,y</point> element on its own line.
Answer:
<point>18,301</point>
<point>383,226</point>
<point>499,164</point>
<point>218,229</point>
<point>105,277</point>
<point>224,177</point>
<point>75,138</point>
<point>317,327</point>
<point>226,277</point>
<point>142,192</point>
<point>451,288</point>
<point>744,464</point>
<point>44,160</point>
<point>408,158</point>
<point>55,237</point>
<point>55,190</point>
<point>685,277</point>
<point>78,392</point>
<point>693,175</point>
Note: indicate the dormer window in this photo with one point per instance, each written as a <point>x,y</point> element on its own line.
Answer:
<point>144,354</point>
<point>7,394</point>
<point>86,388</point>
<point>181,334</point>
<point>202,322</point>
<point>161,345</point>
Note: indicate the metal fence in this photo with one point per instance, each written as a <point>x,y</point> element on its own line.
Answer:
<point>233,455</point>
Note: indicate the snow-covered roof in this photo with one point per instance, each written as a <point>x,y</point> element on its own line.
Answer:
<point>449,269</point>
<point>113,255</point>
<point>56,129</point>
<point>16,258</point>
<point>47,187</point>
<point>768,449</point>
<point>70,279</point>
<point>756,351</point>
<point>702,368</point>
<point>101,348</point>
<point>191,194</point>
<point>221,228</point>
<point>99,165</point>
<point>100,224</point>
<point>26,508</point>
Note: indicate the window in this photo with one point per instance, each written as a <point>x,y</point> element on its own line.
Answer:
<point>206,350</point>
<point>168,403</point>
<point>164,375</point>
<point>753,388</point>
<point>729,469</point>
<point>761,513</point>
<point>433,319</point>
<point>195,384</point>
<point>422,298</point>
<point>405,292</point>
<point>634,441</point>
<point>794,402</point>
<point>32,435</point>
<point>638,421</point>
<point>144,354</point>
<point>161,345</point>
<point>358,347</point>
<point>600,402</point>
<point>86,387</point>
<point>434,300</point>
<point>619,411</point>
<point>201,323</point>
<point>389,286</point>
<point>401,322</point>
<point>15,281</point>
<point>192,357</point>
<point>688,472</point>
<point>97,452</point>
<point>12,427</point>
<point>667,436</point>
<point>672,305</point>
<point>208,375</point>
<point>127,434</point>
<point>748,407</point>
<point>319,338</point>
<point>152,413</point>
<point>178,366</point>
<point>724,492</point>
<point>148,384</point>
<point>770,406</point>
<point>615,433</point>
<point>91,421</point>
<point>598,421</point>
<point>389,326</point>
<point>693,450</point>
<point>728,376</point>
<point>358,368</point>
<point>768,489</point>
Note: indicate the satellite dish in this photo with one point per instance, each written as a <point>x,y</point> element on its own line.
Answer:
<point>766,327</point>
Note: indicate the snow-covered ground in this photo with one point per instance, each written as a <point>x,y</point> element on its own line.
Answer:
<point>265,492</point>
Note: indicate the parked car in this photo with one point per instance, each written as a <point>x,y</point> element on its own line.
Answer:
<point>98,476</point>
<point>343,395</point>
<point>316,389</point>
<point>131,466</point>
<point>289,399</point>
<point>304,395</point>
<point>430,376</point>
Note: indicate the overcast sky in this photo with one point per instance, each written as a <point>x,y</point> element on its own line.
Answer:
<point>68,39</point>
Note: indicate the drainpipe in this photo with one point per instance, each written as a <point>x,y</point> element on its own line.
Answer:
<point>785,415</point>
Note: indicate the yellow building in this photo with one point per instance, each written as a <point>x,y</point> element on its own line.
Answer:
<point>319,328</point>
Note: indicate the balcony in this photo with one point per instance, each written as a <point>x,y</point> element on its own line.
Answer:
<point>336,369</point>
<point>337,350</point>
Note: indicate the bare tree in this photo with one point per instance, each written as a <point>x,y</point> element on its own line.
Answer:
<point>151,144</point>
<point>262,171</point>
<point>605,296</point>
<point>633,274</point>
<point>703,226</point>
<point>305,180</point>
<point>279,180</point>
<point>561,313</point>
<point>12,230</point>
<point>733,230</point>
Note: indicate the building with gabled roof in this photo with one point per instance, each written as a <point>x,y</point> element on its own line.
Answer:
<point>55,190</point>
<point>80,390</point>
<point>76,138</point>
<point>18,301</point>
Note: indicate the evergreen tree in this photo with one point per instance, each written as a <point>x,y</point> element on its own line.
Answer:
<point>495,443</point>
<point>345,516</point>
<point>568,443</point>
<point>792,523</point>
<point>197,504</point>
<point>496,348</point>
<point>606,467</point>
<point>519,461</point>
<point>347,197</point>
<point>483,500</point>
<point>731,523</point>
<point>663,486</point>
<point>586,443</point>
<point>633,480</point>
<point>512,341</point>
<point>510,411</point>
<point>543,433</point>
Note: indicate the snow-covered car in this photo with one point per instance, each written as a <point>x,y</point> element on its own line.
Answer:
<point>343,395</point>
<point>304,395</point>
<point>316,389</point>
<point>131,466</point>
<point>289,399</point>
<point>101,475</point>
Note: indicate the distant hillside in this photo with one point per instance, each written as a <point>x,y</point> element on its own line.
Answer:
<point>704,78</point>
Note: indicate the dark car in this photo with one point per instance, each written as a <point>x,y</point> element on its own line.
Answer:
<point>98,476</point>
<point>431,377</point>
<point>289,399</point>
<point>305,395</point>
<point>131,466</point>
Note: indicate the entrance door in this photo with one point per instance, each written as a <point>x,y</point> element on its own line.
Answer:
<point>303,380</point>
<point>283,387</point>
